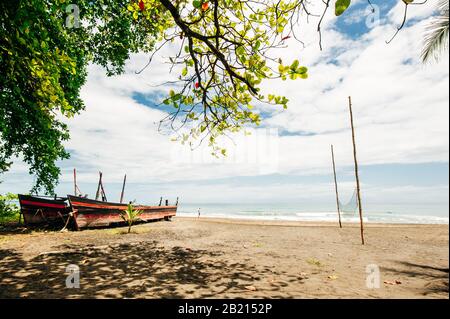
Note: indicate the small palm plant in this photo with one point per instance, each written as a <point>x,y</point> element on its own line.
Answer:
<point>130,215</point>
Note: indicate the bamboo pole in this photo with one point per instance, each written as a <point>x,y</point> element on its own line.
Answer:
<point>358,190</point>
<point>336,187</point>
<point>75,182</point>
<point>123,188</point>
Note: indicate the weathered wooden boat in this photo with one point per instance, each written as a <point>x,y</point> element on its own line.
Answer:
<point>37,210</point>
<point>93,213</point>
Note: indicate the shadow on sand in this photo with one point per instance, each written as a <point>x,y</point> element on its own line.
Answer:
<point>437,277</point>
<point>137,270</point>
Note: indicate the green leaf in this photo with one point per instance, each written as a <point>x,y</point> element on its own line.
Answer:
<point>197,4</point>
<point>302,70</point>
<point>294,65</point>
<point>280,68</point>
<point>341,6</point>
<point>257,44</point>
<point>240,50</point>
<point>280,28</point>
<point>176,97</point>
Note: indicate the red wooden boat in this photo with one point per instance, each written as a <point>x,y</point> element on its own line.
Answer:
<point>93,213</point>
<point>38,210</point>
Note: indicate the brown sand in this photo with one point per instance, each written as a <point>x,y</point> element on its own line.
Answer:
<point>214,258</point>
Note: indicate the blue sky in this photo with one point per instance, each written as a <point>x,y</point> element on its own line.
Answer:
<point>401,113</point>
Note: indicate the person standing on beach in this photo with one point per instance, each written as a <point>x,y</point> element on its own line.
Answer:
<point>198,213</point>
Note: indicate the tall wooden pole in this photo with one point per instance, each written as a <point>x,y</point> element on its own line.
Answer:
<point>103,192</point>
<point>97,194</point>
<point>123,187</point>
<point>336,187</point>
<point>358,190</point>
<point>74,182</point>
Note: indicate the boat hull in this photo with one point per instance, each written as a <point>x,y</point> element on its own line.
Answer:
<point>90,213</point>
<point>40,211</point>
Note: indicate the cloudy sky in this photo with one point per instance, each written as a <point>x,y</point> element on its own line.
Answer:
<point>400,108</point>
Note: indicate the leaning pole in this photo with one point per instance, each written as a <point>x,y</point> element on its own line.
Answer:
<point>336,187</point>
<point>358,190</point>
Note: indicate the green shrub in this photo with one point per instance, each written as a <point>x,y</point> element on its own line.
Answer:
<point>9,210</point>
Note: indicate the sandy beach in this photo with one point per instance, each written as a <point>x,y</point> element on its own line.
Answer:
<point>218,258</point>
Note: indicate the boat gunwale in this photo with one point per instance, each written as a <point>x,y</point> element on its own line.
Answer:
<point>76,201</point>
<point>60,200</point>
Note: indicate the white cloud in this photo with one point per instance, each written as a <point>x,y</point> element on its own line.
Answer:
<point>400,108</point>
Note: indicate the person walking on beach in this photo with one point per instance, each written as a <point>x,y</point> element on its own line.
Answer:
<point>198,213</point>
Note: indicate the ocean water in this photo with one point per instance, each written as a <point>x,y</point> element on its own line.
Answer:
<point>372,214</point>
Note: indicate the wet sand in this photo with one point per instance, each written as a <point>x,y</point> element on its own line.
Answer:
<point>219,258</point>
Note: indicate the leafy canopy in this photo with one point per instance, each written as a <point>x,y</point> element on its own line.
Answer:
<point>43,66</point>
<point>226,50</point>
